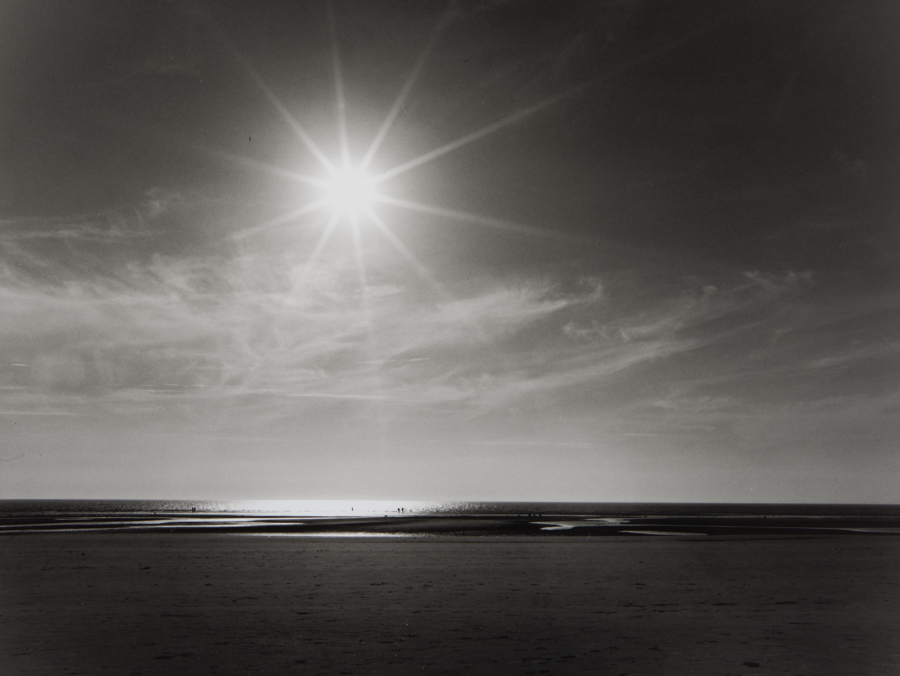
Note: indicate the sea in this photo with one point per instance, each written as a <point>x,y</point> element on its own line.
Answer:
<point>379,508</point>
<point>422,518</point>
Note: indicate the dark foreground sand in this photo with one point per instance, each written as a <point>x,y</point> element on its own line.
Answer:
<point>125,603</point>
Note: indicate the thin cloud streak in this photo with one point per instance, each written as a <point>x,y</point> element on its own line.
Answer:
<point>40,413</point>
<point>540,444</point>
<point>359,397</point>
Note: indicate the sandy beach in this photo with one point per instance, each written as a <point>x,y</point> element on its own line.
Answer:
<point>88,603</point>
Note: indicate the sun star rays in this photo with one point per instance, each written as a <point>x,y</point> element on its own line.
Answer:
<point>346,188</point>
<point>405,90</point>
<point>351,192</point>
<point>340,98</point>
<point>291,121</point>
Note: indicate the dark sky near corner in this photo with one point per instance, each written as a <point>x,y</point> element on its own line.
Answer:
<point>634,250</point>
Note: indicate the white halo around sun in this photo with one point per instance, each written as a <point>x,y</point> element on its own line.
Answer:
<point>349,191</point>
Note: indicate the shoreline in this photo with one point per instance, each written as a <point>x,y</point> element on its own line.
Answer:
<point>445,525</point>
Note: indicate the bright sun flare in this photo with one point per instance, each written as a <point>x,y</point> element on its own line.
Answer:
<point>350,191</point>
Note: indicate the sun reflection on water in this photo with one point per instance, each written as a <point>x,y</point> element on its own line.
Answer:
<point>332,507</point>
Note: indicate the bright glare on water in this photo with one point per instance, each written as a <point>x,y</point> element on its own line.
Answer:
<point>328,507</point>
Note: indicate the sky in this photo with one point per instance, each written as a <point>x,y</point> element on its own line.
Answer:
<point>479,250</point>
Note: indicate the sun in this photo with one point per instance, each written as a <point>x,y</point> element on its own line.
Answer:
<point>349,188</point>
<point>349,191</point>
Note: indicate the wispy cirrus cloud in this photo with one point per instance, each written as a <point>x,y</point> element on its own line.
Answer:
<point>208,326</point>
<point>262,333</point>
<point>111,226</point>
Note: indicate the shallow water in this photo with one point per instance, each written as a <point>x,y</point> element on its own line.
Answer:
<point>363,508</point>
<point>321,517</point>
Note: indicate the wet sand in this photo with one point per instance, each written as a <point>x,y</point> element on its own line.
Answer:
<point>158,603</point>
